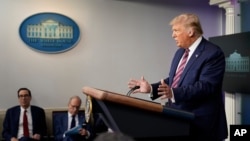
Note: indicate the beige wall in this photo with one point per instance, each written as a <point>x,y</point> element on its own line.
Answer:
<point>119,40</point>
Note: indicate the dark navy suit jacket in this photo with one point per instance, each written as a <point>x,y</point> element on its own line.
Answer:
<point>200,90</point>
<point>60,125</point>
<point>11,122</point>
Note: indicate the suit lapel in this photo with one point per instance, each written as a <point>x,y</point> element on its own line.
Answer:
<point>65,122</point>
<point>192,59</point>
<point>33,115</point>
<point>178,59</point>
<point>175,63</point>
<point>18,111</point>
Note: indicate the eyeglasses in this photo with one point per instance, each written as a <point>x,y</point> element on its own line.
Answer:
<point>74,106</point>
<point>24,96</point>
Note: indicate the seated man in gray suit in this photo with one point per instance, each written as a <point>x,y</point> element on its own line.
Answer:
<point>24,122</point>
<point>62,123</point>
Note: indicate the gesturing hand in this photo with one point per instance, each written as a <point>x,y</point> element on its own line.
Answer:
<point>143,83</point>
<point>164,90</point>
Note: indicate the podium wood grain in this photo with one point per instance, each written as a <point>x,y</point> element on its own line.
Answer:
<point>122,99</point>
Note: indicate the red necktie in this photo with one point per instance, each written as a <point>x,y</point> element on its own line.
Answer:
<point>180,69</point>
<point>25,124</point>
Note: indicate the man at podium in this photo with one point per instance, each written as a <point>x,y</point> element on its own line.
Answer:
<point>195,80</point>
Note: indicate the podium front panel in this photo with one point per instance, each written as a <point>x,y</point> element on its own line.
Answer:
<point>140,123</point>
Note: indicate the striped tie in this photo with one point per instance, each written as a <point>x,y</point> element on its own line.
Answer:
<point>180,69</point>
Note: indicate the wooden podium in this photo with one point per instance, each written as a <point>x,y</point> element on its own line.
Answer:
<point>141,119</point>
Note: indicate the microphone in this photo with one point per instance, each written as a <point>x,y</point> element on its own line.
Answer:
<point>131,90</point>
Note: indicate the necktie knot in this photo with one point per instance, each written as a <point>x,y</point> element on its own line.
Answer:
<point>186,51</point>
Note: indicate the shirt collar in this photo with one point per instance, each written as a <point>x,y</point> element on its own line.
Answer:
<point>70,115</point>
<point>22,109</point>
<point>195,45</point>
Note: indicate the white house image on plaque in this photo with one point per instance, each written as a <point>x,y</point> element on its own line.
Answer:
<point>50,29</point>
<point>237,63</point>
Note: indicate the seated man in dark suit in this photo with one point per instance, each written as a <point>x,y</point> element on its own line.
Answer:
<point>24,122</point>
<point>73,118</point>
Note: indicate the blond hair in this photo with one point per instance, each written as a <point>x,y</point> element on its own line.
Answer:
<point>188,21</point>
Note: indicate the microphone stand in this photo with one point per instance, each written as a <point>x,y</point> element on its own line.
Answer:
<point>131,90</point>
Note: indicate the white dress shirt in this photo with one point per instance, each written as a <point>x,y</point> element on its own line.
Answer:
<point>20,125</point>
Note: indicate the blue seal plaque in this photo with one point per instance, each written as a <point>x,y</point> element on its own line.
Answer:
<point>49,32</point>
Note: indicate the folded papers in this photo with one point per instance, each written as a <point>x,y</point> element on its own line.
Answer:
<point>75,130</point>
